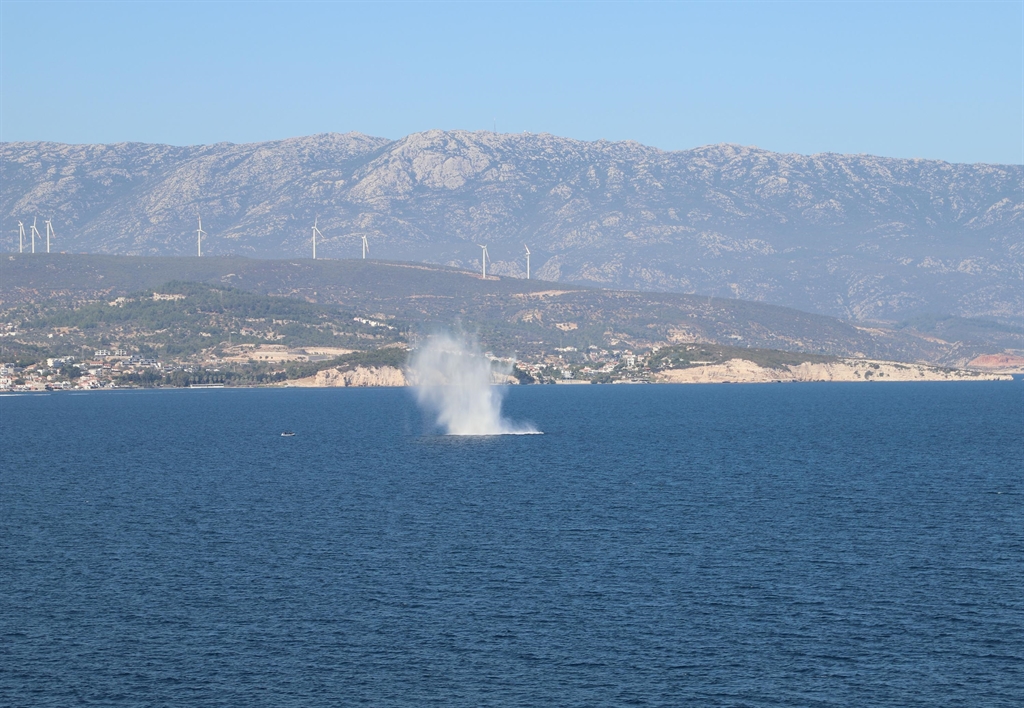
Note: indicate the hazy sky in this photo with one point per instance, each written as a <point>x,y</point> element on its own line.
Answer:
<point>933,80</point>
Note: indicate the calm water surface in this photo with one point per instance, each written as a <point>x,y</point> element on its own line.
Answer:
<point>787,545</point>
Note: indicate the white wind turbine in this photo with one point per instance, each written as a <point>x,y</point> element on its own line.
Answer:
<point>527,261</point>
<point>49,232</point>
<point>483,261</point>
<point>21,237</point>
<point>316,233</point>
<point>199,237</point>
<point>366,246</point>
<point>35,232</point>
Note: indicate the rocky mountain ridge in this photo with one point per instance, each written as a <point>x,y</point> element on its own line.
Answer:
<point>853,236</point>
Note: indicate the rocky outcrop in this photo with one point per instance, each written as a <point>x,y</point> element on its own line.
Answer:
<point>385,376</point>
<point>732,371</point>
<point>853,236</point>
<point>743,371</point>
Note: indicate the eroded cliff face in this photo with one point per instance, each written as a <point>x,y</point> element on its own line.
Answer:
<point>854,236</point>
<point>732,371</point>
<point>742,371</point>
<point>360,376</point>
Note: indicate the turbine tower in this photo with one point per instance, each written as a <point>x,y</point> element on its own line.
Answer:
<point>483,261</point>
<point>199,237</point>
<point>527,261</point>
<point>49,232</point>
<point>316,233</point>
<point>366,246</point>
<point>21,237</point>
<point>35,232</point>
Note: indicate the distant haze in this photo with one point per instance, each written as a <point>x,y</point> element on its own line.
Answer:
<point>854,236</point>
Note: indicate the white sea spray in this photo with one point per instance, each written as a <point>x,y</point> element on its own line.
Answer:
<point>455,382</point>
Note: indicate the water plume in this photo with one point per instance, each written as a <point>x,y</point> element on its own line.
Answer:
<point>455,381</point>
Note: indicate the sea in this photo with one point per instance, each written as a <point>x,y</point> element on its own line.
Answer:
<point>720,545</point>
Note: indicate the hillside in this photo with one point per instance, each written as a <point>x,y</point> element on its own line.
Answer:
<point>182,319</point>
<point>852,236</point>
<point>511,315</point>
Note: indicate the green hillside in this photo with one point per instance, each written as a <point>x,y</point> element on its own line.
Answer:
<point>511,316</point>
<point>181,320</point>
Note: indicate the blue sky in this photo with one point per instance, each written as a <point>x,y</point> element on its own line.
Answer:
<point>931,80</point>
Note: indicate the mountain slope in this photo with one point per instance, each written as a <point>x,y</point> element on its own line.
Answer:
<point>853,236</point>
<point>512,315</point>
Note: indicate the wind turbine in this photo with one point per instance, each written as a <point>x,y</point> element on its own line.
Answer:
<point>316,232</point>
<point>527,261</point>
<point>199,237</point>
<point>35,232</point>
<point>21,237</point>
<point>366,246</point>
<point>483,261</point>
<point>49,232</point>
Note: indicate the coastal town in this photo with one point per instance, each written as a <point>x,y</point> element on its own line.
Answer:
<point>104,369</point>
<point>278,365</point>
<point>189,334</point>
<point>281,365</point>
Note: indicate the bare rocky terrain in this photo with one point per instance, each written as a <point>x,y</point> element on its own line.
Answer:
<point>852,236</point>
<point>848,370</point>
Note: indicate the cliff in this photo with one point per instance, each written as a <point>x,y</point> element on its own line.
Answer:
<point>732,371</point>
<point>360,376</point>
<point>742,371</point>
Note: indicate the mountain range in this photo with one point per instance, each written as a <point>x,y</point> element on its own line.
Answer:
<point>853,236</point>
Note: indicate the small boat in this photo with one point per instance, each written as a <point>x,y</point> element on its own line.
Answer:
<point>287,434</point>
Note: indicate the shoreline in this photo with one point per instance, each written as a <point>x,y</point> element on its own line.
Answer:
<point>7,393</point>
<point>734,371</point>
<point>841,370</point>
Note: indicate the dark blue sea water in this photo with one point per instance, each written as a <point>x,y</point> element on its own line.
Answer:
<point>788,545</point>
